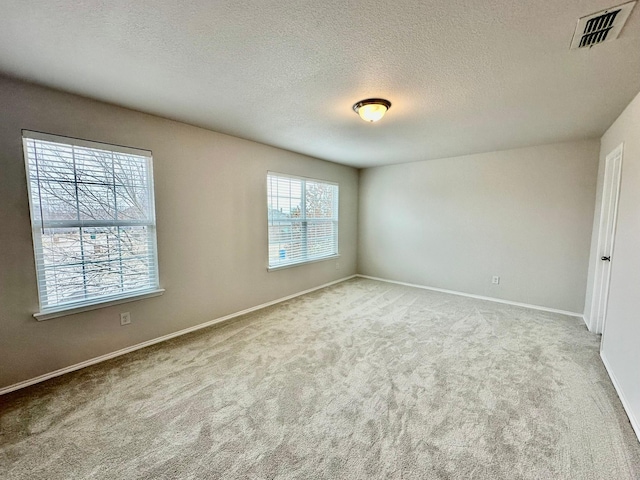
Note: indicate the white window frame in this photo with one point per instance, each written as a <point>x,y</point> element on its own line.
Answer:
<point>305,221</point>
<point>67,308</point>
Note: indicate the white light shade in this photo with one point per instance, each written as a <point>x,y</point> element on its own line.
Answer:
<point>372,109</point>
<point>372,112</point>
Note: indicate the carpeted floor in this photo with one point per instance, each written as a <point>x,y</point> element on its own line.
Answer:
<point>362,380</point>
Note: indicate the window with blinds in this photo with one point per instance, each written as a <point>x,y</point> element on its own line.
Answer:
<point>303,219</point>
<point>93,221</point>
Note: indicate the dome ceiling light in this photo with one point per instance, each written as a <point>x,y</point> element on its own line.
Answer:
<point>372,109</point>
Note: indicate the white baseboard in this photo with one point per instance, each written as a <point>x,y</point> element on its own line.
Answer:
<point>625,404</point>
<point>480,297</point>
<point>123,351</point>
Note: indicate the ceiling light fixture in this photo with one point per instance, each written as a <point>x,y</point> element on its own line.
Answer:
<point>372,109</point>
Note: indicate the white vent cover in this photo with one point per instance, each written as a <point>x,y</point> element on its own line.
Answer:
<point>601,26</point>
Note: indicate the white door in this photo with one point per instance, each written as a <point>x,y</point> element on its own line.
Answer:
<point>606,234</point>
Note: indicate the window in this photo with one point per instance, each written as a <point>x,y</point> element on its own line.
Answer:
<point>303,219</point>
<point>93,221</point>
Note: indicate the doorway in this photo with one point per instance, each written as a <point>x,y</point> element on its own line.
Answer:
<point>606,237</point>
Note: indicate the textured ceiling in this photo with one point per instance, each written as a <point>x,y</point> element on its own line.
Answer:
<point>463,77</point>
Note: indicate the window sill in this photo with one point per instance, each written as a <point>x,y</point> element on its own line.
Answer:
<point>49,314</point>
<point>306,262</point>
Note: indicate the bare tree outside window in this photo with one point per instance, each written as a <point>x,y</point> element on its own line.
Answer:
<point>303,219</point>
<point>93,220</point>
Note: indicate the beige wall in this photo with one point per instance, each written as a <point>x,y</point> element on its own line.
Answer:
<point>212,230</point>
<point>621,337</point>
<point>525,215</point>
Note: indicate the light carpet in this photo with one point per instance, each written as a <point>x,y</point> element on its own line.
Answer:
<point>361,380</point>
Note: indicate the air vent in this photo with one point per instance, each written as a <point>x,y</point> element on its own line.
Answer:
<point>601,26</point>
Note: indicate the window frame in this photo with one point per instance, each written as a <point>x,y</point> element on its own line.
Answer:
<point>304,221</point>
<point>37,225</point>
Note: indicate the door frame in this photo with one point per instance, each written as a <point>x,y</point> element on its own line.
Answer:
<point>606,240</point>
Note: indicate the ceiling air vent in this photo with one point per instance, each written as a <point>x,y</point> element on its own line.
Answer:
<point>601,26</point>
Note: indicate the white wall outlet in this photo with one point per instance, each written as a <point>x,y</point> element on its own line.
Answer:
<point>495,280</point>
<point>125,318</point>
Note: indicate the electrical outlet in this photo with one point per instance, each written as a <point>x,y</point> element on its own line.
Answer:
<point>125,318</point>
<point>495,280</point>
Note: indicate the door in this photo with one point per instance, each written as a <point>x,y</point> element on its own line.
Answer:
<point>606,237</point>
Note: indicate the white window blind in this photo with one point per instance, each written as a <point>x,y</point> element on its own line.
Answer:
<point>93,221</point>
<point>303,219</point>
